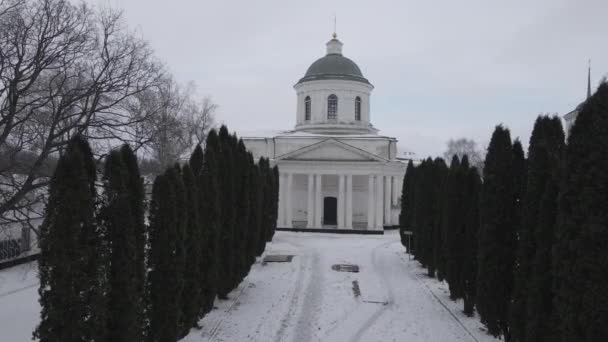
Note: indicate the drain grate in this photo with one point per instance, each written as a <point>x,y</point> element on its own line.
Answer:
<point>345,268</point>
<point>278,258</point>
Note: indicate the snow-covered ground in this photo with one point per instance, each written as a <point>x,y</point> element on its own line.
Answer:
<point>304,300</point>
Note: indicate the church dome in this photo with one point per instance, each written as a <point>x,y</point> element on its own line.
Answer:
<point>334,66</point>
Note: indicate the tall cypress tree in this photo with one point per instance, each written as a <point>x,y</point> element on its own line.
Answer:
<point>255,218</point>
<point>407,203</point>
<point>116,216</point>
<point>470,240</point>
<point>457,208</point>
<point>497,235</point>
<point>191,298</point>
<point>210,219</point>
<point>543,158</point>
<point>539,302</point>
<point>71,263</point>
<point>136,196</point>
<point>579,254</point>
<point>273,200</point>
<point>228,212</point>
<point>439,171</point>
<point>449,202</point>
<point>165,263</point>
<point>244,212</point>
<point>422,223</point>
<point>266,207</point>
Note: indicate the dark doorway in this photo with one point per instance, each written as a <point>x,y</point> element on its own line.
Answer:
<point>330,209</point>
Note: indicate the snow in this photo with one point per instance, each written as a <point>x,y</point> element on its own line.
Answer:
<point>304,300</point>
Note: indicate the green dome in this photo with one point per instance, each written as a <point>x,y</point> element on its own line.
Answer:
<point>334,66</point>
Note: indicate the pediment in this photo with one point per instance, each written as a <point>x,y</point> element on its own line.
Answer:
<point>330,150</point>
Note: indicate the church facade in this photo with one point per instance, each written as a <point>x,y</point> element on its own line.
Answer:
<point>336,171</point>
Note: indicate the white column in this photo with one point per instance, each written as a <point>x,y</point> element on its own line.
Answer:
<point>341,201</point>
<point>387,200</point>
<point>396,189</point>
<point>281,218</point>
<point>379,201</point>
<point>318,201</point>
<point>370,203</point>
<point>311,202</point>
<point>289,215</point>
<point>349,202</point>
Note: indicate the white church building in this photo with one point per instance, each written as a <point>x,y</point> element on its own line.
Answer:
<point>336,171</point>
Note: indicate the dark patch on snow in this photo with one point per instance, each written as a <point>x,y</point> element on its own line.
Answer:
<point>277,258</point>
<point>345,268</point>
<point>356,289</point>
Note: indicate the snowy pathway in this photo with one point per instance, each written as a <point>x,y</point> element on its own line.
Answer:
<point>304,300</point>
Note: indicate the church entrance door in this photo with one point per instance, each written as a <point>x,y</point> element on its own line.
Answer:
<point>330,210</point>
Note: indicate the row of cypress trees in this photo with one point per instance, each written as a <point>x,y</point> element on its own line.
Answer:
<point>106,275</point>
<point>527,246</point>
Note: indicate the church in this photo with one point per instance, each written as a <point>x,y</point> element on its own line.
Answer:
<point>336,171</point>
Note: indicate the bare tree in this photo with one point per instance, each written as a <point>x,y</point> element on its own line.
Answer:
<point>176,120</point>
<point>65,69</point>
<point>464,146</point>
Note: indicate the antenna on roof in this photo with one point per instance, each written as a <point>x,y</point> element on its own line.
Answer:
<point>335,35</point>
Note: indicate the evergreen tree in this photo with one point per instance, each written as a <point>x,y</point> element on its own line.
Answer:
<point>228,212</point>
<point>579,254</point>
<point>274,198</point>
<point>543,158</point>
<point>70,266</point>
<point>438,174</point>
<point>255,218</point>
<point>196,160</point>
<point>136,194</point>
<point>497,235</point>
<point>191,299</point>
<point>421,215</point>
<point>470,240</point>
<point>165,259</point>
<point>539,325</point>
<point>116,217</point>
<point>457,201</point>
<point>266,206</point>
<point>243,212</point>
<point>407,204</point>
<point>449,202</point>
<point>210,220</point>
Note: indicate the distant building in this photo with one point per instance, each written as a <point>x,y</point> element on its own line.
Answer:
<point>336,171</point>
<point>571,116</point>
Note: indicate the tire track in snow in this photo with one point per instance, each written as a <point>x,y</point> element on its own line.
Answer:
<point>381,272</point>
<point>312,297</point>
<point>8,293</point>
<point>295,297</point>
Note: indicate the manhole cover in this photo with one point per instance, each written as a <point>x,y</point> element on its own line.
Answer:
<point>345,268</point>
<point>278,258</point>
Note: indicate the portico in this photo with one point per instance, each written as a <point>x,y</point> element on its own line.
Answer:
<point>365,200</point>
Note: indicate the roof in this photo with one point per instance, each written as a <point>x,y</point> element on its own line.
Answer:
<point>333,66</point>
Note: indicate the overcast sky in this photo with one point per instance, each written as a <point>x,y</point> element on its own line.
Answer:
<point>441,69</point>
